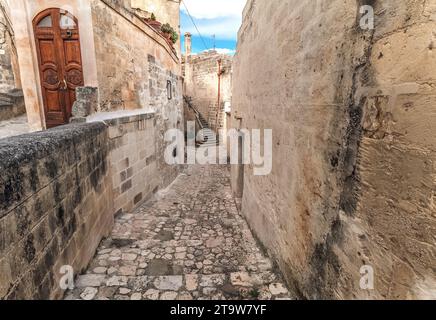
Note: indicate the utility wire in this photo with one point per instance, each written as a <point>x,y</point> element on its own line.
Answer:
<point>195,25</point>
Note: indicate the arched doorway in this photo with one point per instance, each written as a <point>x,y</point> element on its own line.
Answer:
<point>60,63</point>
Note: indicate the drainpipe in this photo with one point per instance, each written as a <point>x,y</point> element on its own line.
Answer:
<point>219,96</point>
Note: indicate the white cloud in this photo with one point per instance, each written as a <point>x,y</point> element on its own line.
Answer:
<point>226,28</point>
<point>225,51</point>
<point>211,9</point>
<point>221,18</point>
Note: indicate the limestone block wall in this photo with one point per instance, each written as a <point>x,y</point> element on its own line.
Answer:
<point>138,70</point>
<point>166,11</point>
<point>201,84</point>
<point>167,101</point>
<point>133,160</point>
<point>354,151</point>
<point>61,190</point>
<point>122,45</point>
<point>55,206</point>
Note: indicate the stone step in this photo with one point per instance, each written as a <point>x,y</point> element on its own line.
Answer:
<point>5,104</point>
<point>210,141</point>
<point>208,145</point>
<point>9,98</point>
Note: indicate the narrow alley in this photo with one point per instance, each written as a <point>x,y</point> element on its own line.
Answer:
<point>322,114</point>
<point>188,243</point>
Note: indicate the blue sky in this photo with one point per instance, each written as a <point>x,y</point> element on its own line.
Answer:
<point>221,18</point>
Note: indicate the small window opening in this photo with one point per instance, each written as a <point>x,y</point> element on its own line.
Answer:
<point>67,22</point>
<point>46,22</point>
<point>169,90</point>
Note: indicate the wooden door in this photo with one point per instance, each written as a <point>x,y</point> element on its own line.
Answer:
<point>60,63</point>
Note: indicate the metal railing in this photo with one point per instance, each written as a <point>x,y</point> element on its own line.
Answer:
<point>198,115</point>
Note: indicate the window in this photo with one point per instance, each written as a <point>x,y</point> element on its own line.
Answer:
<point>46,22</point>
<point>169,90</point>
<point>67,22</point>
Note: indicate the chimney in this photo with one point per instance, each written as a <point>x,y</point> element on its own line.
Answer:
<point>188,44</point>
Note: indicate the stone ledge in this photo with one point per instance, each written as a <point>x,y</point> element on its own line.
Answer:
<point>30,146</point>
<point>121,117</point>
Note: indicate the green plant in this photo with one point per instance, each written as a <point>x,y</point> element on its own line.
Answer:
<point>153,17</point>
<point>174,37</point>
<point>254,293</point>
<point>166,28</point>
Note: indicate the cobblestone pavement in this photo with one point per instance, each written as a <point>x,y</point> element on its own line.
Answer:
<point>190,243</point>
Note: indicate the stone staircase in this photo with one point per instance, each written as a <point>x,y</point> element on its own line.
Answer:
<point>6,99</point>
<point>11,104</point>
<point>208,138</point>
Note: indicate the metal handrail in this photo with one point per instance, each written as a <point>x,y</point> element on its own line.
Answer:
<point>197,113</point>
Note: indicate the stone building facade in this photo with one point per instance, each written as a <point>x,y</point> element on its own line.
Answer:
<point>208,83</point>
<point>352,110</point>
<point>114,44</point>
<point>164,11</point>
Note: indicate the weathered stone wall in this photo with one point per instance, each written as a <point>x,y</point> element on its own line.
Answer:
<point>354,151</point>
<point>201,84</point>
<point>55,206</point>
<point>143,66</point>
<point>165,11</point>
<point>61,191</point>
<point>169,113</point>
<point>122,44</point>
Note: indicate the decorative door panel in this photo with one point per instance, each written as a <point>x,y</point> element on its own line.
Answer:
<point>60,63</point>
<point>73,66</point>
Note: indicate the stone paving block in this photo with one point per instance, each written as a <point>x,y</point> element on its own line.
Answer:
<point>90,280</point>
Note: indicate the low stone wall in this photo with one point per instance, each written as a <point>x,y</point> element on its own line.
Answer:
<point>60,191</point>
<point>55,206</point>
<point>132,160</point>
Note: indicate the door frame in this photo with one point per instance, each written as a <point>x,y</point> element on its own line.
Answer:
<point>38,34</point>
